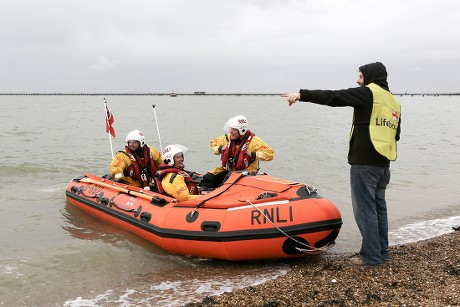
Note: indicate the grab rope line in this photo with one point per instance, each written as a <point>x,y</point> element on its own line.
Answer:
<point>220,193</point>
<point>308,249</point>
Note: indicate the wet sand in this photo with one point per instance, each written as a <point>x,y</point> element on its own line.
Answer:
<point>425,273</point>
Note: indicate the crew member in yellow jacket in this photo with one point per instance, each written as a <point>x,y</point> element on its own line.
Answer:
<point>240,149</point>
<point>138,163</point>
<point>176,181</point>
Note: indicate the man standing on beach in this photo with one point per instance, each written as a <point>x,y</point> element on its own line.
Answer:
<point>376,128</point>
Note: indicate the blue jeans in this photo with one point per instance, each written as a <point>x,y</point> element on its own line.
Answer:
<point>368,185</point>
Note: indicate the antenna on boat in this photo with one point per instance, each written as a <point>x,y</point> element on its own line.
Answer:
<point>158,130</point>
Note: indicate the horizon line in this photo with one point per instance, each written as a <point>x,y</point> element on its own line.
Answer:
<point>175,94</point>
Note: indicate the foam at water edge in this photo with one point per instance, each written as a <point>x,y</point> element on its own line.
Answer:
<point>423,230</point>
<point>177,293</point>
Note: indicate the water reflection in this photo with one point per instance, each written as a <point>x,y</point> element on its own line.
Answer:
<point>81,225</point>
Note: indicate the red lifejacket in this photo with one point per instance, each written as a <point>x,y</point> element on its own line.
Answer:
<point>236,156</point>
<point>165,169</point>
<point>142,169</point>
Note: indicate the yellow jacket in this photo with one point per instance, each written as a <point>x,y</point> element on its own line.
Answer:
<point>121,162</point>
<point>178,188</point>
<point>384,122</point>
<point>263,152</point>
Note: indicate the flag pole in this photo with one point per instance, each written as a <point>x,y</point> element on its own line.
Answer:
<point>106,121</point>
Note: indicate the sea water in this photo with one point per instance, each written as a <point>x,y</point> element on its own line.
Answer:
<point>53,254</point>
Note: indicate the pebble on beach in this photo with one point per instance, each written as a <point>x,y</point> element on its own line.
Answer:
<point>424,273</point>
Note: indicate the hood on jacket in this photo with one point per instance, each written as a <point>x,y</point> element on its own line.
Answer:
<point>375,73</point>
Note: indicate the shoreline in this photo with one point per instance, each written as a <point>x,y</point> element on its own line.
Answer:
<point>425,273</point>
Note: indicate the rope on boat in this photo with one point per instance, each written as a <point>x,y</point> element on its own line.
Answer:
<point>307,249</point>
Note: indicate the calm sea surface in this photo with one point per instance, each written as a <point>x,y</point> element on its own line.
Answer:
<point>53,254</point>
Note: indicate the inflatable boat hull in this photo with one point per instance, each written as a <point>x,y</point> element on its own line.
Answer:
<point>249,217</point>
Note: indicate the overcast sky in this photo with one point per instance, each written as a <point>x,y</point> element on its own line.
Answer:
<point>220,46</point>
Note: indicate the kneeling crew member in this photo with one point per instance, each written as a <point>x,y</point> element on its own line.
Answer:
<point>174,179</point>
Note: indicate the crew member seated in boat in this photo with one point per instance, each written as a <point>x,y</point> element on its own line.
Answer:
<point>137,164</point>
<point>176,181</point>
<point>240,149</point>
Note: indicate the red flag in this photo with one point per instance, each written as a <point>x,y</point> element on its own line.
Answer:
<point>109,121</point>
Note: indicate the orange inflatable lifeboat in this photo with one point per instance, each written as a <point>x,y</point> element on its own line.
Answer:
<point>248,217</point>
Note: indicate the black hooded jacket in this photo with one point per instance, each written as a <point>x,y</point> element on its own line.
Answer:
<point>361,150</point>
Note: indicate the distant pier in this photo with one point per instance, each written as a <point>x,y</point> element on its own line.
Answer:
<point>142,94</point>
<point>176,94</point>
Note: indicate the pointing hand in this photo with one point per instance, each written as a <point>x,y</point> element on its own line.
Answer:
<point>291,98</point>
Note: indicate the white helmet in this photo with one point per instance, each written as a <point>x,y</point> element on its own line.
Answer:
<point>136,135</point>
<point>239,123</point>
<point>170,151</point>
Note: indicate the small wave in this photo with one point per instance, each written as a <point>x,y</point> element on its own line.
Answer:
<point>52,189</point>
<point>10,271</point>
<point>23,168</point>
<point>106,297</point>
<point>179,292</point>
<point>423,230</point>
<point>22,133</point>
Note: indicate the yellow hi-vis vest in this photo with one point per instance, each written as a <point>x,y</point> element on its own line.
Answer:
<point>384,121</point>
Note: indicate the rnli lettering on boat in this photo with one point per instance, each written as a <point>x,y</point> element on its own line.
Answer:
<point>274,214</point>
<point>93,189</point>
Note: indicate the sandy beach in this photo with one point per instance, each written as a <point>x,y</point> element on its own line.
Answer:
<point>425,273</point>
